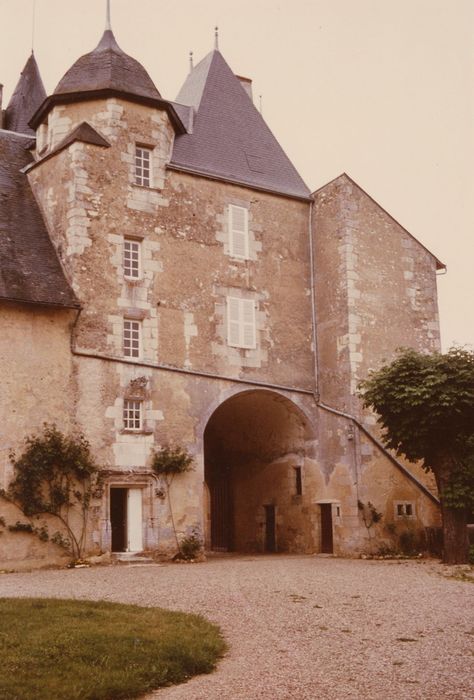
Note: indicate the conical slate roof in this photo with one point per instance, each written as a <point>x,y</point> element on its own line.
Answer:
<point>27,97</point>
<point>107,67</point>
<point>229,138</point>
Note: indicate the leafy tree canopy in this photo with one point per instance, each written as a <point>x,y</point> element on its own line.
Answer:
<point>425,403</point>
<point>426,406</point>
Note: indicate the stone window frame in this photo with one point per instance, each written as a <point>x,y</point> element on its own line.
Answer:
<point>140,167</point>
<point>135,246</point>
<point>132,338</point>
<point>132,414</point>
<point>404,510</point>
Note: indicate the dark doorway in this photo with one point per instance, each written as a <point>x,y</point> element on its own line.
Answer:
<point>118,519</point>
<point>249,445</point>
<point>270,534</point>
<point>221,511</point>
<point>326,528</point>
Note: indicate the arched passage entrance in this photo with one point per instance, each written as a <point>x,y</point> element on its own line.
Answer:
<point>255,452</point>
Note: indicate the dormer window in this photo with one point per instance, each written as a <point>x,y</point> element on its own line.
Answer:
<point>143,166</point>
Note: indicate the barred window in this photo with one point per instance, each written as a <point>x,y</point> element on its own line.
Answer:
<point>142,166</point>
<point>131,258</point>
<point>132,415</point>
<point>131,338</point>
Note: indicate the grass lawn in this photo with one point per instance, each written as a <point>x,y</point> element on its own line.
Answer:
<point>67,649</point>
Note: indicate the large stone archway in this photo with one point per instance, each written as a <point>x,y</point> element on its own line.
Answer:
<point>256,472</point>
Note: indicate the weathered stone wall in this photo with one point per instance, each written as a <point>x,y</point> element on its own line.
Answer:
<point>37,388</point>
<point>367,270</point>
<point>376,290</point>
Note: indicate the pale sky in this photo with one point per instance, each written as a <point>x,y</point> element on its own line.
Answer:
<point>380,89</point>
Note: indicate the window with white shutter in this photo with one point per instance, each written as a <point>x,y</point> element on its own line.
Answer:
<point>238,232</point>
<point>241,323</point>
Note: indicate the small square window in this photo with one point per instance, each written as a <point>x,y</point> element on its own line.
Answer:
<point>132,415</point>
<point>131,338</point>
<point>131,258</point>
<point>404,509</point>
<point>143,166</point>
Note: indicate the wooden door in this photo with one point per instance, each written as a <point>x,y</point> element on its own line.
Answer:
<point>270,527</point>
<point>326,528</point>
<point>221,516</point>
<point>134,520</point>
<point>118,519</point>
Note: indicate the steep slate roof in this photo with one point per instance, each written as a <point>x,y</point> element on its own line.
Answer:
<point>229,138</point>
<point>29,267</point>
<point>108,67</point>
<point>27,97</point>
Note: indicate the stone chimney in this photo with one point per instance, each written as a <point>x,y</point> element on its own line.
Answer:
<point>246,84</point>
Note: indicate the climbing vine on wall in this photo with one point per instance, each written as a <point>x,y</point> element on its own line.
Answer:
<point>167,463</point>
<point>55,476</point>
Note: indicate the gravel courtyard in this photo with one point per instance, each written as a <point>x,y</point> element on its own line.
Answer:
<point>301,627</point>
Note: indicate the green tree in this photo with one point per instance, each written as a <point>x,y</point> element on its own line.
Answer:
<point>426,406</point>
<point>56,476</point>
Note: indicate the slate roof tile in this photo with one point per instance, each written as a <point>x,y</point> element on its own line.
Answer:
<point>30,270</point>
<point>27,97</point>
<point>230,138</point>
<point>108,67</point>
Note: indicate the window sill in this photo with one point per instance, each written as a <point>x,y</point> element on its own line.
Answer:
<point>131,431</point>
<point>150,188</point>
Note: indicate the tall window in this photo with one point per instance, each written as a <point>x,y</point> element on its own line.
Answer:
<point>298,481</point>
<point>238,232</point>
<point>132,415</point>
<point>142,166</point>
<point>131,258</point>
<point>241,323</point>
<point>131,338</point>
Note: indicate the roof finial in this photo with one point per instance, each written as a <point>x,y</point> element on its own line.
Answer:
<point>191,61</point>
<point>33,28</point>
<point>108,25</point>
<point>216,38</point>
<point>260,104</point>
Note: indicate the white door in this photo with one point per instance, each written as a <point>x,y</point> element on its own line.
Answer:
<point>134,520</point>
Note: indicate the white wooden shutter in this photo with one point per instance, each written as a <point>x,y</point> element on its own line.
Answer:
<point>233,321</point>
<point>248,323</point>
<point>241,323</point>
<point>238,232</point>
